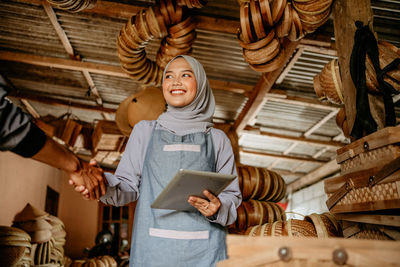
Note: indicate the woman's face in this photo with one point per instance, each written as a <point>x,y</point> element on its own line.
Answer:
<point>179,85</point>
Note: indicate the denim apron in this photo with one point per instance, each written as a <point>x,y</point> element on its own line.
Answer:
<point>168,237</point>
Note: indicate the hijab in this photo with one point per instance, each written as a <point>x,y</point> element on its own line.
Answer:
<point>196,116</point>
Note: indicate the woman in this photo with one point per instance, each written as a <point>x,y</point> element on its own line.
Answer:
<point>181,138</point>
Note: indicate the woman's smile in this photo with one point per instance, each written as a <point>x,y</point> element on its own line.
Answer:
<point>180,84</point>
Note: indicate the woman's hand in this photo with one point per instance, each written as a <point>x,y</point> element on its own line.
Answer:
<point>206,207</point>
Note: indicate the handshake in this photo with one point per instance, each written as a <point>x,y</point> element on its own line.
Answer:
<point>89,180</point>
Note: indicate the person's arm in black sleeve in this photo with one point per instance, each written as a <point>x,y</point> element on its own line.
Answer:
<point>17,132</point>
<point>20,135</point>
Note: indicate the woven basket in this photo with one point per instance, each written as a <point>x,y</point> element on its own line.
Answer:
<point>371,151</point>
<point>325,225</point>
<point>328,84</point>
<point>370,159</point>
<point>293,228</point>
<point>261,184</point>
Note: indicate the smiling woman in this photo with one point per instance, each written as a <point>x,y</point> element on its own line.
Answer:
<point>180,85</point>
<point>155,152</point>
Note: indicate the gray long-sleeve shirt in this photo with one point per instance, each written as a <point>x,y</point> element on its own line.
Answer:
<point>123,186</point>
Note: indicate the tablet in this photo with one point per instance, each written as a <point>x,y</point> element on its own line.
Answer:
<point>190,183</point>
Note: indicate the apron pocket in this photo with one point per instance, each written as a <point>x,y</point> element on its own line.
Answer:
<point>164,233</point>
<point>182,147</point>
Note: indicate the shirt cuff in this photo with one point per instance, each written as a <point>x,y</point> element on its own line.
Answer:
<point>111,179</point>
<point>222,214</point>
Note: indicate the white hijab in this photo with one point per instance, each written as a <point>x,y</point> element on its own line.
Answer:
<point>196,116</point>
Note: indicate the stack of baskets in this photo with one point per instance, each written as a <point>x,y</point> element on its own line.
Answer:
<point>387,53</point>
<point>263,23</point>
<point>73,5</point>
<point>314,225</point>
<point>368,190</point>
<point>167,21</point>
<point>47,235</point>
<point>192,3</point>
<point>328,84</point>
<point>15,247</point>
<point>261,189</point>
<point>101,261</point>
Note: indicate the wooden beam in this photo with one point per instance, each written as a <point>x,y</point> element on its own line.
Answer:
<point>277,96</point>
<point>264,85</point>
<point>345,13</point>
<point>121,10</point>
<point>290,65</point>
<point>61,63</point>
<point>30,109</point>
<point>320,123</point>
<point>278,156</point>
<point>286,172</point>
<point>92,86</point>
<point>302,140</point>
<point>248,251</point>
<point>318,49</point>
<point>217,24</point>
<point>59,102</point>
<point>70,51</point>
<point>231,86</point>
<point>114,9</point>
<point>59,30</point>
<point>103,69</point>
<point>370,218</point>
<point>314,176</point>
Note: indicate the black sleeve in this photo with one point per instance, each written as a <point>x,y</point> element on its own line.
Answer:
<point>32,143</point>
<point>17,131</point>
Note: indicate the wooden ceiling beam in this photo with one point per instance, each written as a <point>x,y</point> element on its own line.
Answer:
<point>329,168</point>
<point>62,63</point>
<point>345,14</point>
<point>290,65</point>
<point>58,102</point>
<point>287,173</point>
<point>302,140</point>
<point>121,10</point>
<point>263,86</point>
<point>320,123</point>
<point>279,156</point>
<point>70,51</point>
<point>281,96</point>
<point>103,69</point>
<point>30,108</point>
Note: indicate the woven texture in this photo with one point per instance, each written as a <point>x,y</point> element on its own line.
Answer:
<point>379,192</point>
<point>370,159</point>
<point>370,234</point>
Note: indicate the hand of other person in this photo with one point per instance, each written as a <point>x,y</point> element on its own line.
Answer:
<point>89,180</point>
<point>206,207</point>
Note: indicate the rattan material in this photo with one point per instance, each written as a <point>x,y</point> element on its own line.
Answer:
<point>328,85</point>
<point>379,192</point>
<point>370,159</point>
<point>29,213</point>
<point>293,228</point>
<point>261,184</point>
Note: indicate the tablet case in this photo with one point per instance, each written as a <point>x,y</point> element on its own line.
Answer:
<point>190,183</point>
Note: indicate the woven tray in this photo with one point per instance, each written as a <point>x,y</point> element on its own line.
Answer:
<point>371,151</point>
<point>355,230</point>
<point>361,196</point>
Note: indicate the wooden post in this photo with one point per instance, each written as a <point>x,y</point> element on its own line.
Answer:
<point>345,13</point>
